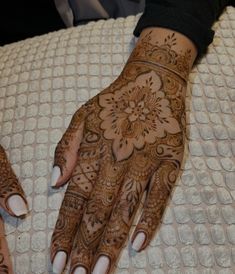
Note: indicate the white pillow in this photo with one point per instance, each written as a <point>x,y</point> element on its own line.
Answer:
<point>44,80</point>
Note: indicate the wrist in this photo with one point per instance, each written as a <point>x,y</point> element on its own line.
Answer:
<point>166,49</point>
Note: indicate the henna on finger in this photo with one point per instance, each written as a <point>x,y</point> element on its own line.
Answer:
<point>162,183</point>
<point>12,197</point>
<point>71,211</point>
<point>97,213</point>
<point>124,210</point>
<point>140,121</point>
<point>67,149</point>
<point>152,122</point>
<point>5,262</point>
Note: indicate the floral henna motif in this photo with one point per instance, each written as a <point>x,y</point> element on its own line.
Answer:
<point>137,114</point>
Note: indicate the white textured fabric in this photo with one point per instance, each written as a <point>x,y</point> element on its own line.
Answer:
<point>45,79</point>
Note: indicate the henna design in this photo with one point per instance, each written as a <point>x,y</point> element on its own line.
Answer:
<point>77,194</point>
<point>4,269</point>
<point>134,130</point>
<point>162,183</point>
<point>5,263</point>
<point>97,213</point>
<point>69,144</point>
<point>136,114</point>
<point>9,184</point>
<point>163,55</point>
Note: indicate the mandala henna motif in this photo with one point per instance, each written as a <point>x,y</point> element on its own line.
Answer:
<point>136,114</point>
<point>138,124</point>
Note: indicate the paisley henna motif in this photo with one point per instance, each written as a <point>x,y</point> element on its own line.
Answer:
<point>132,140</point>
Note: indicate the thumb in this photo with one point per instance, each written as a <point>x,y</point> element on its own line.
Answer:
<point>66,152</point>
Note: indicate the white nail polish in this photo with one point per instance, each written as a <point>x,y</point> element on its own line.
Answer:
<point>80,270</point>
<point>59,262</point>
<point>17,205</point>
<point>138,242</point>
<point>55,175</point>
<point>101,265</point>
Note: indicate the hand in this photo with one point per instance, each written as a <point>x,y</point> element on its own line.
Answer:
<point>13,200</point>
<point>126,140</point>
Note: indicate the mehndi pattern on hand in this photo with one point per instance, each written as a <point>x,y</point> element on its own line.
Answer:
<point>132,134</point>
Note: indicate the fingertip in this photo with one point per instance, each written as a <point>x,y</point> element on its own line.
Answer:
<point>59,262</point>
<point>17,205</point>
<point>55,175</point>
<point>138,241</point>
<point>102,265</point>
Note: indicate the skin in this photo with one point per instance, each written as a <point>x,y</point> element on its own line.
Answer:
<point>126,140</point>
<point>9,186</point>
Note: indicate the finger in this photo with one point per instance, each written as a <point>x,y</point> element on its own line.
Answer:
<point>118,227</point>
<point>12,197</point>
<point>162,183</point>
<point>71,211</point>
<point>96,214</point>
<point>66,151</point>
<point>5,261</point>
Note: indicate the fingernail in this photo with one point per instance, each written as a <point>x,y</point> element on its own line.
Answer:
<point>101,266</point>
<point>59,262</point>
<point>138,241</point>
<point>80,270</point>
<point>17,205</point>
<point>55,175</point>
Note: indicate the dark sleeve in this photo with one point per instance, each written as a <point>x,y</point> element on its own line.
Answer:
<point>193,18</point>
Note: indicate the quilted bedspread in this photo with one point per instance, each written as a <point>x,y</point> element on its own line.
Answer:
<point>43,81</point>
